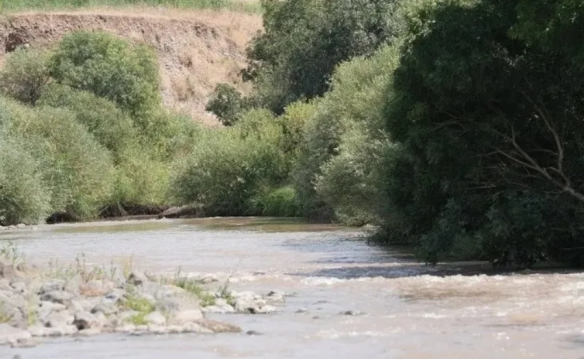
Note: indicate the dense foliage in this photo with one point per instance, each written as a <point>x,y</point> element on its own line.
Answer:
<point>303,41</point>
<point>454,126</point>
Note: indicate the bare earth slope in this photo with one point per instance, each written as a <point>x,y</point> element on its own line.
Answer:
<point>196,49</point>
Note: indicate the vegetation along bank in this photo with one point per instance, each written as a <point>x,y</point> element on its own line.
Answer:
<point>454,126</point>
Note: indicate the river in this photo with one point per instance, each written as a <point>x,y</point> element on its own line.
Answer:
<point>347,299</point>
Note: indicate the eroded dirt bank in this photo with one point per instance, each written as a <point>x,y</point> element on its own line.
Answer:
<point>196,49</point>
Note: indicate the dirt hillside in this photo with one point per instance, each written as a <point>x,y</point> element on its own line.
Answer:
<point>196,49</point>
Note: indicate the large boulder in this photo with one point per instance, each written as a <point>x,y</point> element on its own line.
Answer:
<point>12,335</point>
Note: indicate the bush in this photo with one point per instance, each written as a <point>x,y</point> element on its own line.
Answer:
<point>108,124</point>
<point>226,103</point>
<point>279,202</point>
<point>111,68</point>
<point>228,166</point>
<point>24,75</point>
<point>24,195</point>
<point>76,168</point>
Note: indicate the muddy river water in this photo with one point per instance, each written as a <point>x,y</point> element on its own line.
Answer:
<point>347,299</point>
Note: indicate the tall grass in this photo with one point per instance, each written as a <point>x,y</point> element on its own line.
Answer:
<point>246,6</point>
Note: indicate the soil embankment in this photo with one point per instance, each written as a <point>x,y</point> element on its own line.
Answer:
<point>196,49</point>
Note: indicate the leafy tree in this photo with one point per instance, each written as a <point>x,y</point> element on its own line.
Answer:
<point>486,118</point>
<point>225,103</point>
<point>24,75</point>
<point>305,39</point>
<point>109,67</point>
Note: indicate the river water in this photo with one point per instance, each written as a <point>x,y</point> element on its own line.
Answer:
<point>398,308</point>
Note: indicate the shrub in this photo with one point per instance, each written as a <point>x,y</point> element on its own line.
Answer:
<point>76,168</point>
<point>226,103</point>
<point>279,202</point>
<point>24,195</point>
<point>228,166</point>
<point>108,124</point>
<point>111,68</point>
<point>24,75</point>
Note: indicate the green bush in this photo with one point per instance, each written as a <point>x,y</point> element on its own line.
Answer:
<point>279,202</point>
<point>76,168</point>
<point>24,75</point>
<point>24,195</point>
<point>111,68</point>
<point>108,124</point>
<point>228,166</point>
<point>226,103</point>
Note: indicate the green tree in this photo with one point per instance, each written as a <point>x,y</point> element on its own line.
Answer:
<point>486,122</point>
<point>111,68</point>
<point>304,40</point>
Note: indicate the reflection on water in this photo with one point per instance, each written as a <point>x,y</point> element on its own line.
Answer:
<point>406,309</point>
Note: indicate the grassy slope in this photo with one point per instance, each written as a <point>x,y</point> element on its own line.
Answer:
<point>248,6</point>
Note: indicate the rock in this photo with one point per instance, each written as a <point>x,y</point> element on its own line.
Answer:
<point>126,328</point>
<point>5,285</point>
<point>113,297</point>
<point>10,334</point>
<point>7,269</point>
<point>85,320</point>
<point>195,328</point>
<point>18,287</point>
<point>46,308</point>
<point>157,329</point>
<point>302,310</point>
<point>352,313</point>
<point>185,316</point>
<point>176,212</point>
<point>156,318</point>
<point>73,284</point>
<point>58,296</point>
<point>80,305</point>
<point>24,344</point>
<point>219,309</point>
<point>253,332</point>
<point>176,304</point>
<point>218,327</point>
<point>276,297</point>
<point>137,278</point>
<point>167,291</point>
<point>52,286</point>
<point>106,309</point>
<point>96,288</point>
<point>20,225</point>
<point>59,319</point>
<point>40,331</point>
<point>253,306</point>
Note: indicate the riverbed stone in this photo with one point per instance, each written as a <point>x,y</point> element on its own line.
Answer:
<point>5,285</point>
<point>52,286</point>
<point>7,269</point>
<point>105,308</point>
<point>126,328</point>
<point>218,327</point>
<point>275,297</point>
<point>137,278</point>
<point>167,291</point>
<point>58,296</point>
<point>156,318</point>
<point>85,320</point>
<point>10,334</point>
<point>96,288</point>
<point>59,319</point>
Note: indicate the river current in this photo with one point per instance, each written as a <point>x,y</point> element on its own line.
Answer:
<point>346,298</point>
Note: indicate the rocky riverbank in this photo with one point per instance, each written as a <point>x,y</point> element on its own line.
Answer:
<point>37,304</point>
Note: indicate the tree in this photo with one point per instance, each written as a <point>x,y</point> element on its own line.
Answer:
<point>304,40</point>
<point>486,114</point>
